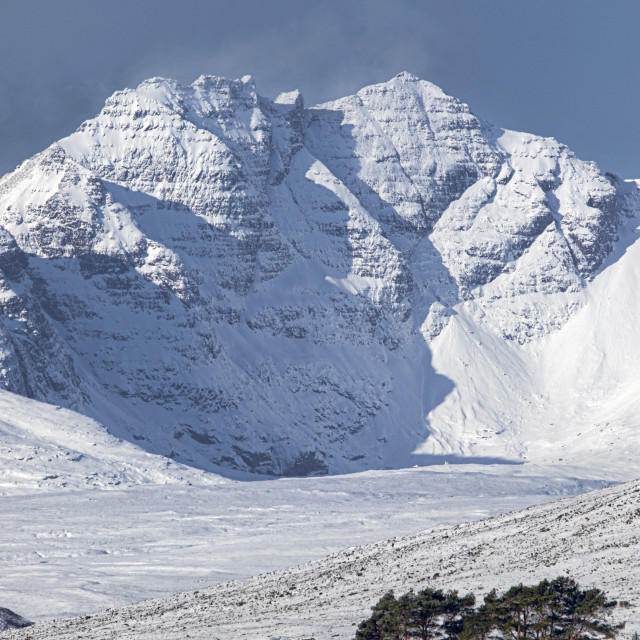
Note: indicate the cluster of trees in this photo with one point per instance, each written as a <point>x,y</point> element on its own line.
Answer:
<point>551,610</point>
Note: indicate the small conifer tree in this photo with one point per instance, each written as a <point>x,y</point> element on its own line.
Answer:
<point>551,610</point>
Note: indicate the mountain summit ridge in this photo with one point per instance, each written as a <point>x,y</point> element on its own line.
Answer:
<point>250,284</point>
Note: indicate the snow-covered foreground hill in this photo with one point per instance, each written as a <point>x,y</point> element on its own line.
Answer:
<point>90,522</point>
<point>593,538</point>
<point>251,285</point>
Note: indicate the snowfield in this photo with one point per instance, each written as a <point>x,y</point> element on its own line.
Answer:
<point>90,522</point>
<point>592,538</point>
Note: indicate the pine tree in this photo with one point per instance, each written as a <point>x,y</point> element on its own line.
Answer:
<point>478,624</point>
<point>517,610</point>
<point>386,621</point>
<point>551,610</point>
<point>456,609</point>
<point>578,614</point>
<point>429,608</point>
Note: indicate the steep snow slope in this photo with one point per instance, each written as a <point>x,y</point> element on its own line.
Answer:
<point>569,396</point>
<point>593,538</point>
<point>252,285</point>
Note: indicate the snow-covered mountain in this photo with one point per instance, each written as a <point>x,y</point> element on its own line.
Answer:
<point>592,538</point>
<point>249,284</point>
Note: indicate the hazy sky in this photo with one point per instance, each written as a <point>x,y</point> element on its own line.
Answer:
<point>563,68</point>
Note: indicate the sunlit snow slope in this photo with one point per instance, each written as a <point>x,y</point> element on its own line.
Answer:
<point>251,285</point>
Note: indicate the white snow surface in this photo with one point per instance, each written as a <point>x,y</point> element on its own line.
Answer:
<point>89,522</point>
<point>249,285</point>
<point>592,538</point>
<point>47,448</point>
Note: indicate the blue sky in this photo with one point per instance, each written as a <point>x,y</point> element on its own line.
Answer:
<point>563,68</point>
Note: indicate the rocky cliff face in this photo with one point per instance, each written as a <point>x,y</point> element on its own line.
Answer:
<point>250,284</point>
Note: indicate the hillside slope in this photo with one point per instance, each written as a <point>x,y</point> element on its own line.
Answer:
<point>593,538</point>
<point>46,448</point>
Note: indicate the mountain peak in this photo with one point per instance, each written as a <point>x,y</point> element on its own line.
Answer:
<point>291,97</point>
<point>211,81</point>
<point>272,284</point>
<point>405,83</point>
<point>406,76</point>
<point>158,81</point>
